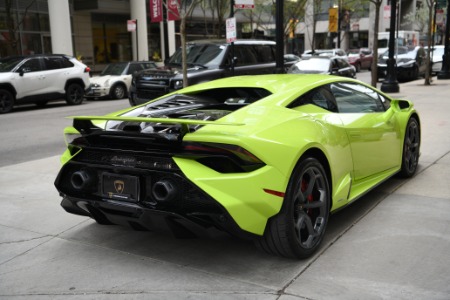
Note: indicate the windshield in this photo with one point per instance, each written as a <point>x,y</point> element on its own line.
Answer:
<point>320,65</point>
<point>8,64</point>
<point>200,54</point>
<point>114,69</point>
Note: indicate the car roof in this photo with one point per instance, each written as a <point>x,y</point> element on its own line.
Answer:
<point>237,42</point>
<point>36,55</point>
<point>275,83</point>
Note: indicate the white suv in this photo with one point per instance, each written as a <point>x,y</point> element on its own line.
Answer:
<point>41,78</point>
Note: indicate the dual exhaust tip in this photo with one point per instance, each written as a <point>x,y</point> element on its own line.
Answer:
<point>164,190</point>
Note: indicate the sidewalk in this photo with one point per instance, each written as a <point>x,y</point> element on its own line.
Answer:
<point>391,244</point>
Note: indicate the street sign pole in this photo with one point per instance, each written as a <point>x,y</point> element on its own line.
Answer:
<point>232,43</point>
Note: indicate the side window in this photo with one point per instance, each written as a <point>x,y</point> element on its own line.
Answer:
<point>133,68</point>
<point>320,97</point>
<point>53,63</point>
<point>356,98</point>
<point>245,55</point>
<point>265,53</point>
<point>31,65</point>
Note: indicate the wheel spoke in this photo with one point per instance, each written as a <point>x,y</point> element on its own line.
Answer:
<point>316,204</point>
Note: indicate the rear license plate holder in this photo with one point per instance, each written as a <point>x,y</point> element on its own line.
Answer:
<point>120,187</point>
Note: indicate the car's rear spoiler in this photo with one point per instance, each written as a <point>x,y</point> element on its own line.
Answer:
<point>84,124</point>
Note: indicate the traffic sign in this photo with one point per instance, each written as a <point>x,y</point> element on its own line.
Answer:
<point>231,30</point>
<point>244,4</point>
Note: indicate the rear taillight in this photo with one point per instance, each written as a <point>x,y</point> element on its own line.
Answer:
<point>223,158</point>
<point>87,70</point>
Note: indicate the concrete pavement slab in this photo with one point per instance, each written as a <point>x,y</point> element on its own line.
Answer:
<point>399,251</point>
<point>29,200</point>
<point>61,267</point>
<point>434,181</point>
<point>16,242</point>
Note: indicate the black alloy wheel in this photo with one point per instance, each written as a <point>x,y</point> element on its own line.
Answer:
<point>298,230</point>
<point>6,101</point>
<point>74,94</point>
<point>411,148</point>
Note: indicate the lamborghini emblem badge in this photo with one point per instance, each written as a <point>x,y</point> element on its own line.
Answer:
<point>119,185</point>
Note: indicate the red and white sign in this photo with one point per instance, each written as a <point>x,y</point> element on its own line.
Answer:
<point>387,11</point>
<point>131,25</point>
<point>231,30</point>
<point>173,14</point>
<point>156,11</point>
<point>244,4</point>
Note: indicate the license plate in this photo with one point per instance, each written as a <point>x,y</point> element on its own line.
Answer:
<point>120,187</point>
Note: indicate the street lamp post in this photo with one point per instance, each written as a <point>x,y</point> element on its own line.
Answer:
<point>390,84</point>
<point>279,30</point>
<point>445,71</point>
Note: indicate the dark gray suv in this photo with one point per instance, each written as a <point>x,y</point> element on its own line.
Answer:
<point>206,60</point>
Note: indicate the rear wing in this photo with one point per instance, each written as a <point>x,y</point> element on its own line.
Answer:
<point>84,123</point>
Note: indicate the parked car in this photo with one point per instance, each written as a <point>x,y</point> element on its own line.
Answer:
<point>410,63</point>
<point>360,58</point>
<point>291,58</point>
<point>323,65</point>
<point>115,80</point>
<point>264,157</point>
<point>436,58</point>
<point>41,78</point>
<point>325,52</point>
<point>206,60</point>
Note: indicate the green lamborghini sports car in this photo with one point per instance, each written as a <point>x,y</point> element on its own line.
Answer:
<point>265,157</point>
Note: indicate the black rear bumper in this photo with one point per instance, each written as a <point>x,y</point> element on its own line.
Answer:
<point>190,213</point>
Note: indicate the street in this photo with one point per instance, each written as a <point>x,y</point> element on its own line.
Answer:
<point>391,244</point>
<point>30,132</point>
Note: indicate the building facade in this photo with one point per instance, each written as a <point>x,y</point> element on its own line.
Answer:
<point>97,31</point>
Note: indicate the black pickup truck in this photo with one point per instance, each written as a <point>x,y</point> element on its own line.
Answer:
<point>206,60</point>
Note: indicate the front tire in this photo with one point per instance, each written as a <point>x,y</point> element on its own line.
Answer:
<point>298,230</point>
<point>118,91</point>
<point>6,101</point>
<point>74,94</point>
<point>411,149</point>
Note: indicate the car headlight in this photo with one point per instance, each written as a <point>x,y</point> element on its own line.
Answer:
<point>107,83</point>
<point>178,84</point>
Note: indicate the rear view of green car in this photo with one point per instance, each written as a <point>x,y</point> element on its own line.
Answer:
<point>265,157</point>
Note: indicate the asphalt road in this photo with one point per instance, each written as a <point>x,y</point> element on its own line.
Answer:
<point>30,132</point>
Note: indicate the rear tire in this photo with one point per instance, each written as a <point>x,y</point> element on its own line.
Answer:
<point>411,149</point>
<point>74,94</point>
<point>6,101</point>
<point>298,229</point>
